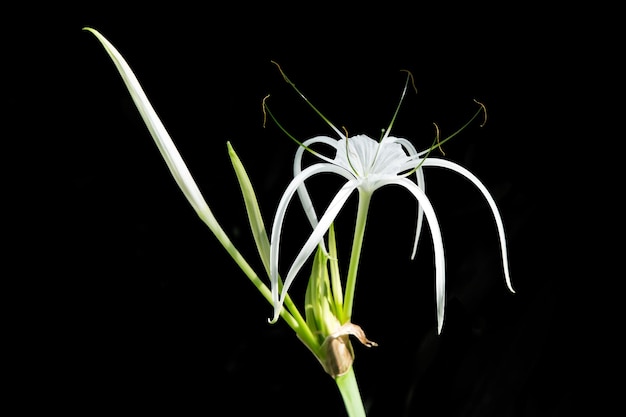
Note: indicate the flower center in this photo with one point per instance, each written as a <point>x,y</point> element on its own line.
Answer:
<point>366,157</point>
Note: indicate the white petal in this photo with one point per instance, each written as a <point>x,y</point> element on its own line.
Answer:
<point>435,232</point>
<point>307,204</point>
<point>405,143</point>
<point>280,217</point>
<point>421,183</point>
<point>492,204</point>
<point>318,233</point>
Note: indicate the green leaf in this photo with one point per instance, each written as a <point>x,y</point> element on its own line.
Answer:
<point>252,207</point>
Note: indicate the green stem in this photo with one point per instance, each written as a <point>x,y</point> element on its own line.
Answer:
<point>349,390</point>
<point>357,244</point>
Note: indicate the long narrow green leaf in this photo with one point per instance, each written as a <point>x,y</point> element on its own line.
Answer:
<point>176,164</point>
<point>262,241</point>
<point>187,184</point>
<point>252,207</point>
<point>162,139</point>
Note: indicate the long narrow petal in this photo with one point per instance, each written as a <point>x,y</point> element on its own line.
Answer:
<point>492,204</point>
<point>405,143</point>
<point>317,235</point>
<point>421,183</point>
<point>435,232</point>
<point>280,217</point>
<point>305,199</point>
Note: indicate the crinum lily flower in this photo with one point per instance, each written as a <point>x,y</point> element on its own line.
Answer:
<point>367,165</point>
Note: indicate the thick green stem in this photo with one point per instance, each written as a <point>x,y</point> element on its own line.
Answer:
<point>350,393</point>
<point>357,244</point>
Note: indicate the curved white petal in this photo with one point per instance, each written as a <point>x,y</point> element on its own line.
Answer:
<point>317,235</point>
<point>492,204</point>
<point>279,218</point>
<point>305,199</point>
<point>435,232</point>
<point>405,143</point>
<point>421,183</point>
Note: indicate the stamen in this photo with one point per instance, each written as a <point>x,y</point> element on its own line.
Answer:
<point>395,114</point>
<point>267,111</point>
<point>348,152</point>
<point>484,110</point>
<point>305,99</point>
<point>437,139</point>
<point>264,112</point>
<point>283,74</point>
<point>412,79</point>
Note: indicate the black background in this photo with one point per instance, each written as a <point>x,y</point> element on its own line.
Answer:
<point>130,302</point>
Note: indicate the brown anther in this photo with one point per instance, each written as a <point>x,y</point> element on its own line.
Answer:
<point>437,138</point>
<point>264,111</point>
<point>484,111</point>
<point>412,79</point>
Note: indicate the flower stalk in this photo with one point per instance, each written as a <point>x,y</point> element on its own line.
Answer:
<point>355,256</point>
<point>350,393</point>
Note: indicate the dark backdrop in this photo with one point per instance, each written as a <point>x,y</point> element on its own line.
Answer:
<point>144,311</point>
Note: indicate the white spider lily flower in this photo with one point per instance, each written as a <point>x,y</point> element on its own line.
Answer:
<point>367,165</point>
